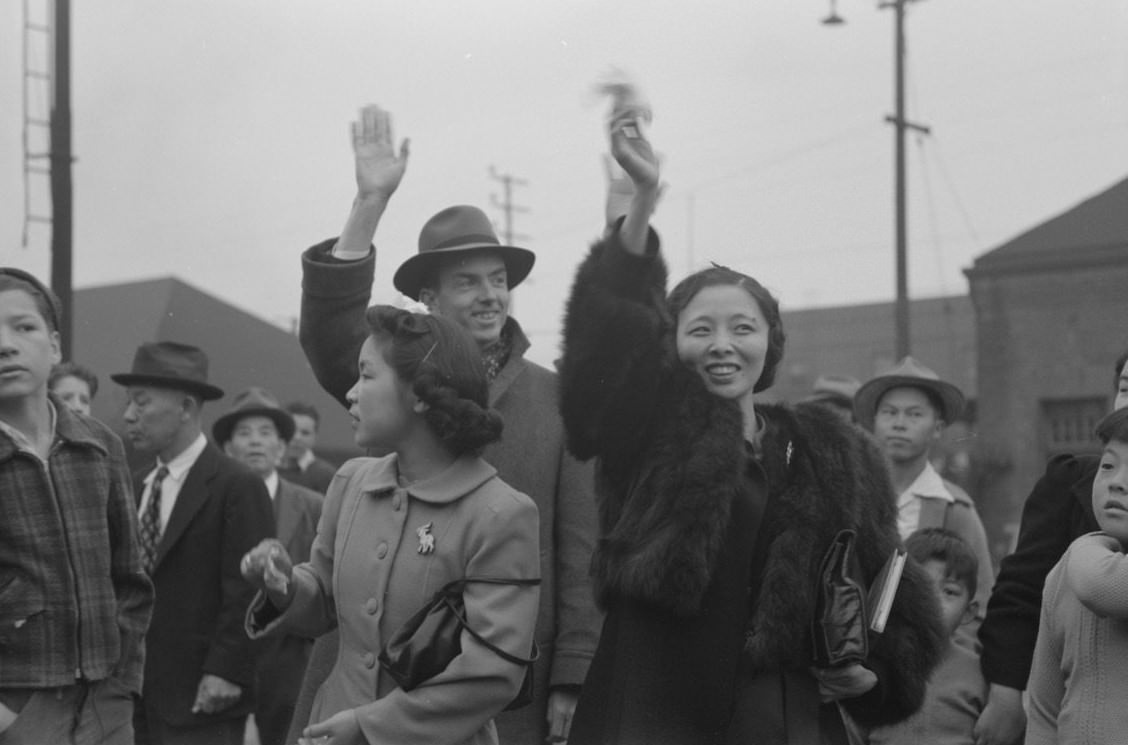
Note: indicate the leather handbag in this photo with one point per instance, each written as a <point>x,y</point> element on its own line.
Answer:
<point>428,641</point>
<point>839,629</point>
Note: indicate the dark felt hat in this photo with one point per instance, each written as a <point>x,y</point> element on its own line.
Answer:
<point>169,364</point>
<point>456,230</point>
<point>907,374</point>
<point>254,401</point>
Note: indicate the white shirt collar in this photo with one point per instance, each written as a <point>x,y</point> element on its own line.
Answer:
<point>178,466</point>
<point>928,484</point>
<point>306,459</point>
<point>272,484</point>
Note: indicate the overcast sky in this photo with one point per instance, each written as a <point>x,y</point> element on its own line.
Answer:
<point>212,135</point>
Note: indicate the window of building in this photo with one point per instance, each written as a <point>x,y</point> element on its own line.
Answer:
<point>1067,424</point>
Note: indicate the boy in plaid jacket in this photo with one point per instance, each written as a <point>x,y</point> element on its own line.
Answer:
<point>74,600</point>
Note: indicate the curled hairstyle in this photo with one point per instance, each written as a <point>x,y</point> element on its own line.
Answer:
<point>941,544</point>
<point>1113,427</point>
<point>443,366</point>
<point>73,370</point>
<point>718,275</point>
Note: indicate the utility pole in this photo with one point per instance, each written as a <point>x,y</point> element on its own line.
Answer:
<point>903,336</point>
<point>508,181</point>
<point>900,124</point>
<point>61,185</point>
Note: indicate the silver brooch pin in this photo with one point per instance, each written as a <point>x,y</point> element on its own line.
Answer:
<point>790,452</point>
<point>426,540</point>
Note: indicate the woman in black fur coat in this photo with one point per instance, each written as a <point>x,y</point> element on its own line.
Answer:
<point>715,512</point>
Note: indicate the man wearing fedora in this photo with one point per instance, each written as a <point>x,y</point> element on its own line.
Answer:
<point>906,409</point>
<point>463,272</point>
<point>255,432</point>
<point>200,511</point>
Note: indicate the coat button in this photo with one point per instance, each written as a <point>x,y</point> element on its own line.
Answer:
<point>381,551</point>
<point>369,660</point>
<point>371,606</point>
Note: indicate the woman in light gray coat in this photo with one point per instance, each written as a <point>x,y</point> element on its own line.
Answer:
<point>396,529</point>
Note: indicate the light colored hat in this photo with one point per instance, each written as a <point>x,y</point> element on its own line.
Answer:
<point>907,374</point>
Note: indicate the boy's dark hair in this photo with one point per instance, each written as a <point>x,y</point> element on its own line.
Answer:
<point>301,408</point>
<point>73,370</point>
<point>1113,427</point>
<point>45,300</point>
<point>443,366</point>
<point>943,545</point>
<point>717,275</point>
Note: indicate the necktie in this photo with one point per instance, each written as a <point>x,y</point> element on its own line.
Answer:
<point>151,521</point>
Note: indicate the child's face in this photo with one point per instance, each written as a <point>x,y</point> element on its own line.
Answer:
<point>956,603</point>
<point>1110,491</point>
<point>28,348</point>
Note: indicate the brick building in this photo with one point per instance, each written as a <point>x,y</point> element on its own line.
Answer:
<point>1051,309</point>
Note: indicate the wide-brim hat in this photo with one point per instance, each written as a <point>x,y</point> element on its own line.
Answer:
<point>455,230</point>
<point>169,364</point>
<point>254,401</point>
<point>907,374</point>
<point>836,389</point>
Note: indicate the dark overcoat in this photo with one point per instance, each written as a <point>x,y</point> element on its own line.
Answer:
<point>675,478</point>
<point>221,512</point>
<point>1058,510</point>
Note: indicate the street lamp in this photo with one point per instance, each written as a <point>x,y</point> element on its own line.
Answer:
<point>900,125</point>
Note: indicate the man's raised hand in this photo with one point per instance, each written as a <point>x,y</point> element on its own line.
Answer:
<point>379,168</point>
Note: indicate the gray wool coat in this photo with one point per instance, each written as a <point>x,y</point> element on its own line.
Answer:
<point>531,457</point>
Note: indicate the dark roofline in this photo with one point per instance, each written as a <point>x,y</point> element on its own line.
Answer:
<point>1092,233</point>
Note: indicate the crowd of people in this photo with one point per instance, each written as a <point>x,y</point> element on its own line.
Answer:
<point>636,541</point>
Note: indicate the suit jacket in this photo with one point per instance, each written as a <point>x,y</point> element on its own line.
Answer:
<point>316,477</point>
<point>222,511</point>
<point>296,513</point>
<point>282,659</point>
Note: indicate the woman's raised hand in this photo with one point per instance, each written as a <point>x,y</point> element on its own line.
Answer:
<point>631,149</point>
<point>379,168</point>
<point>268,567</point>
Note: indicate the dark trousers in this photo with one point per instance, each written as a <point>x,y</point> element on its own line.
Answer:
<point>87,713</point>
<point>152,730</point>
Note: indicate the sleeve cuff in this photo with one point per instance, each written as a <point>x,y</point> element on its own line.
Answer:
<point>569,669</point>
<point>630,275</point>
<point>324,275</point>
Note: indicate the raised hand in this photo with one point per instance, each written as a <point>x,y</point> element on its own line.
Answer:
<point>632,151</point>
<point>379,168</point>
